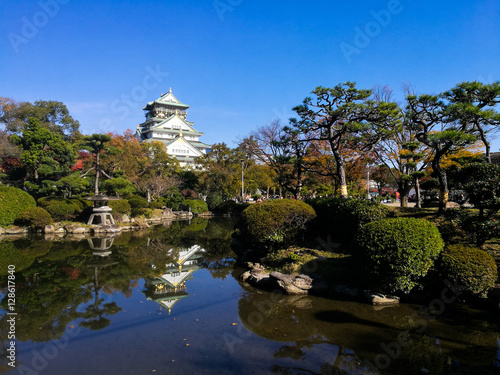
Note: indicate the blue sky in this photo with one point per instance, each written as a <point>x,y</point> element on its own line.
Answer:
<point>239,64</point>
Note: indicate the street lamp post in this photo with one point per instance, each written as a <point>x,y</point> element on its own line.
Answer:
<point>242,182</point>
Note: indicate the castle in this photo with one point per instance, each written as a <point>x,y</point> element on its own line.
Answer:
<point>166,122</point>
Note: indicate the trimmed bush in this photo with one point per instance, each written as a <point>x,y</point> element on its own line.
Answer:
<point>121,206</point>
<point>52,199</point>
<point>34,217</point>
<point>197,206</point>
<point>144,212</point>
<point>397,252</point>
<point>276,222</point>
<point>138,202</point>
<point>156,205</point>
<point>62,211</point>
<point>341,218</point>
<point>473,269</point>
<point>12,202</point>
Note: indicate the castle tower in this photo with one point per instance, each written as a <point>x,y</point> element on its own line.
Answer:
<point>166,122</point>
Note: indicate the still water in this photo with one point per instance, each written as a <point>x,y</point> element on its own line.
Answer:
<point>168,301</point>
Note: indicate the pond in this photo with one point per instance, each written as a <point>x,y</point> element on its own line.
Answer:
<point>168,301</point>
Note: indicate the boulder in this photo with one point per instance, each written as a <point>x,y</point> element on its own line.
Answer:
<point>49,229</point>
<point>79,230</point>
<point>377,299</point>
<point>291,284</point>
<point>15,230</point>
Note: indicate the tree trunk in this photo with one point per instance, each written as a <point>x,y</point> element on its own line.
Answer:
<point>339,161</point>
<point>418,198</point>
<point>404,191</point>
<point>443,184</point>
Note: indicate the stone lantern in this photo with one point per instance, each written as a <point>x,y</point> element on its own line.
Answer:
<point>101,213</point>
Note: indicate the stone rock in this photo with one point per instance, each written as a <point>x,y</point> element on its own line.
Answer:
<point>2,231</point>
<point>69,228</point>
<point>452,205</point>
<point>245,276</point>
<point>15,230</point>
<point>291,284</point>
<point>167,212</point>
<point>258,277</point>
<point>378,299</point>
<point>60,230</point>
<point>79,230</point>
<point>49,229</point>
<point>125,218</point>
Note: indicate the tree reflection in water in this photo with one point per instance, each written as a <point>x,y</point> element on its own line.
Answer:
<point>64,283</point>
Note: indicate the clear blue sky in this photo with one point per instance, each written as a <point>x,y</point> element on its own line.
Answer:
<point>238,63</point>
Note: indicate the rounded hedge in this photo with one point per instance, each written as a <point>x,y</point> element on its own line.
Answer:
<point>120,206</point>
<point>397,252</point>
<point>341,217</point>
<point>34,217</point>
<point>197,206</point>
<point>62,211</point>
<point>12,202</point>
<point>473,269</point>
<point>52,199</point>
<point>138,202</point>
<point>275,222</point>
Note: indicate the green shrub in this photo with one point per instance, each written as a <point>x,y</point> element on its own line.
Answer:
<point>34,217</point>
<point>156,205</point>
<point>473,269</point>
<point>214,201</point>
<point>477,229</point>
<point>277,222</point>
<point>395,253</point>
<point>62,211</point>
<point>52,199</point>
<point>341,218</point>
<point>174,201</point>
<point>138,202</point>
<point>120,206</point>
<point>12,202</point>
<point>197,206</point>
<point>80,203</point>
<point>145,212</point>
